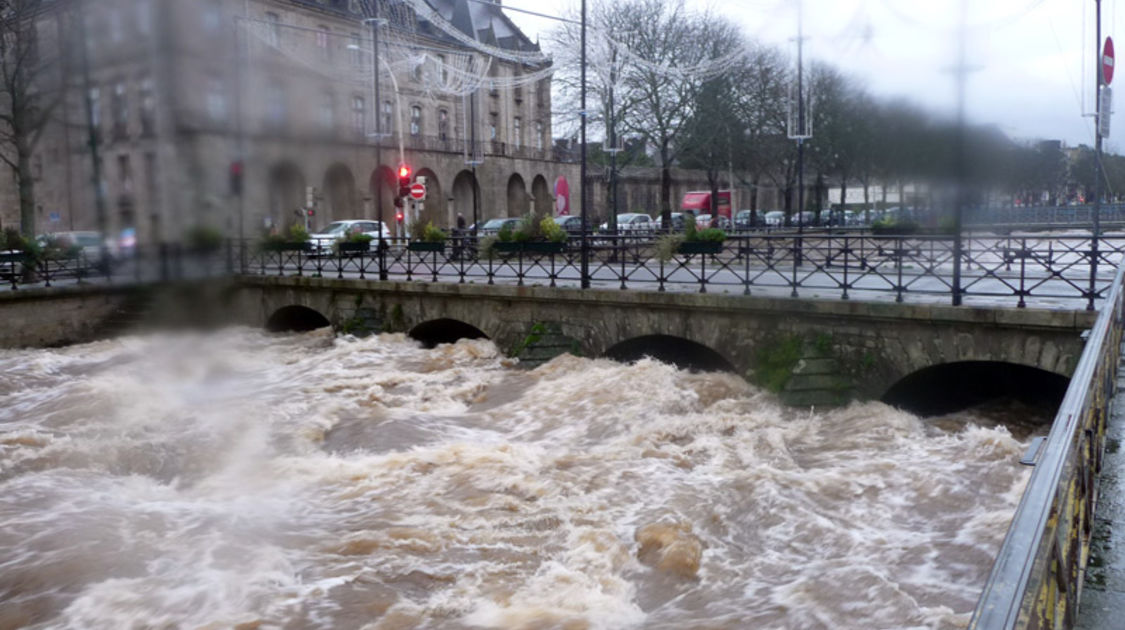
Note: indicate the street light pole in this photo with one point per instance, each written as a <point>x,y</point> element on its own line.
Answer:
<point>1097,158</point>
<point>585,283</point>
<point>378,139</point>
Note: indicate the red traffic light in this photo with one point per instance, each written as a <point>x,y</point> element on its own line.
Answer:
<point>404,173</point>
<point>311,212</point>
<point>398,217</point>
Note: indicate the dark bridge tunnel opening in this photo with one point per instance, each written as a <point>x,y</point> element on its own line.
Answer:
<point>951,387</point>
<point>436,332</point>
<point>296,319</point>
<point>683,353</point>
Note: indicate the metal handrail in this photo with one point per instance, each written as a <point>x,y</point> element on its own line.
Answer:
<point>1035,580</point>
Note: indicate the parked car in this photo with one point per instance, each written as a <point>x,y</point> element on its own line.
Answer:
<point>775,218</point>
<point>572,223</point>
<point>632,223</point>
<point>90,242</point>
<point>326,237</point>
<point>493,226</point>
<point>677,221</point>
<point>745,220</point>
<point>703,222</point>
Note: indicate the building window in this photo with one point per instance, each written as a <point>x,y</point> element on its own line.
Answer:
<point>322,42</point>
<point>212,17</point>
<point>517,127</point>
<point>327,110</point>
<point>443,123</point>
<point>415,120</point>
<point>113,21</point>
<point>144,17</point>
<point>96,108</point>
<point>388,110</point>
<point>356,51</point>
<point>120,110</point>
<point>148,107</point>
<point>216,100</point>
<point>359,117</point>
<point>493,119</point>
<point>538,135</point>
<point>443,69</point>
<point>125,172</point>
<point>273,29</point>
<point>275,104</point>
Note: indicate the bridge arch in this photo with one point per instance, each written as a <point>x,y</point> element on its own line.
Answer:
<point>948,387</point>
<point>435,332</point>
<point>296,318</point>
<point>683,353</point>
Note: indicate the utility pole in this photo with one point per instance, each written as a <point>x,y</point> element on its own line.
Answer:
<point>92,131</point>
<point>800,135</point>
<point>1099,82</point>
<point>960,198</point>
<point>376,106</point>
<point>585,283</point>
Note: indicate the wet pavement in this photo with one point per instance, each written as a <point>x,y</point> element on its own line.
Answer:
<point>1103,595</point>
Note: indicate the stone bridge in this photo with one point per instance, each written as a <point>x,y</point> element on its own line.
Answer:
<point>931,358</point>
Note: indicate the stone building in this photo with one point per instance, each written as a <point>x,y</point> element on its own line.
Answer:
<point>181,90</point>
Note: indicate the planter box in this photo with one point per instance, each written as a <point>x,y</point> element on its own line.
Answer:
<point>424,246</point>
<point>700,247</point>
<point>287,247</point>
<point>353,248</point>
<point>537,247</point>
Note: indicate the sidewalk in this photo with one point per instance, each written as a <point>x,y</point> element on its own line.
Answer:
<point>1102,606</point>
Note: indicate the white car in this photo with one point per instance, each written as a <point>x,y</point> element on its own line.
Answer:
<point>326,237</point>
<point>632,223</point>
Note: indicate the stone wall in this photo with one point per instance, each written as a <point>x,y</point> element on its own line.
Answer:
<point>873,345</point>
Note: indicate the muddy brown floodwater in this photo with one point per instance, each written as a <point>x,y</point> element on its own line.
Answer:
<point>241,479</point>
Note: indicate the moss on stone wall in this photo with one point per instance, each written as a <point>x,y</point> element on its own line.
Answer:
<point>774,362</point>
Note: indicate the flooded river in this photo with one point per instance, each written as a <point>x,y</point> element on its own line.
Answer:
<point>246,480</point>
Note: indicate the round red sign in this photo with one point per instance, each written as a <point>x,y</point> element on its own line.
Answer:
<point>1107,61</point>
<point>418,191</point>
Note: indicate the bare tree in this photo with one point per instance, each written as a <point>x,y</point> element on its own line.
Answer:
<point>29,92</point>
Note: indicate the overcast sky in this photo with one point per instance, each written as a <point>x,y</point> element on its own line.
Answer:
<point>1033,60</point>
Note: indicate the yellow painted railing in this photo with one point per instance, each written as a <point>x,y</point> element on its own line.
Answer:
<point>1038,572</point>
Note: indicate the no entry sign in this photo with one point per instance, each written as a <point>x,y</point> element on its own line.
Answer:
<point>418,191</point>
<point>1107,61</point>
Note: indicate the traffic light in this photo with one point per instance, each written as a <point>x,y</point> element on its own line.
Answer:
<point>398,216</point>
<point>311,212</point>
<point>403,180</point>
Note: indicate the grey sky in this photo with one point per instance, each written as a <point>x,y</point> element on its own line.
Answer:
<point>1032,66</point>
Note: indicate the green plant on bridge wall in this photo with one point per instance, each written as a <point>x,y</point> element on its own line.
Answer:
<point>534,336</point>
<point>775,360</point>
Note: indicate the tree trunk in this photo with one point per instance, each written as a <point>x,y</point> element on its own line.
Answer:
<point>26,186</point>
<point>665,189</point>
<point>866,202</point>
<point>754,180</point>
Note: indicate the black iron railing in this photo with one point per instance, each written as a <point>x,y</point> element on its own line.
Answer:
<point>1051,270</point>
<point>1036,578</point>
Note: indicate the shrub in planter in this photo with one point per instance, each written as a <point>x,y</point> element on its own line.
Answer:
<point>354,242</point>
<point>552,231</point>
<point>204,239</point>
<point>892,227</point>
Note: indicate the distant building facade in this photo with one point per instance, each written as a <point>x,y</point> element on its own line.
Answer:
<point>181,90</point>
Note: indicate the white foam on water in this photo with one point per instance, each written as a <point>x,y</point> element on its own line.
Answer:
<point>310,482</point>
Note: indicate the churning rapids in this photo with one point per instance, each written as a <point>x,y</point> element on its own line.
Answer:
<point>247,480</point>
